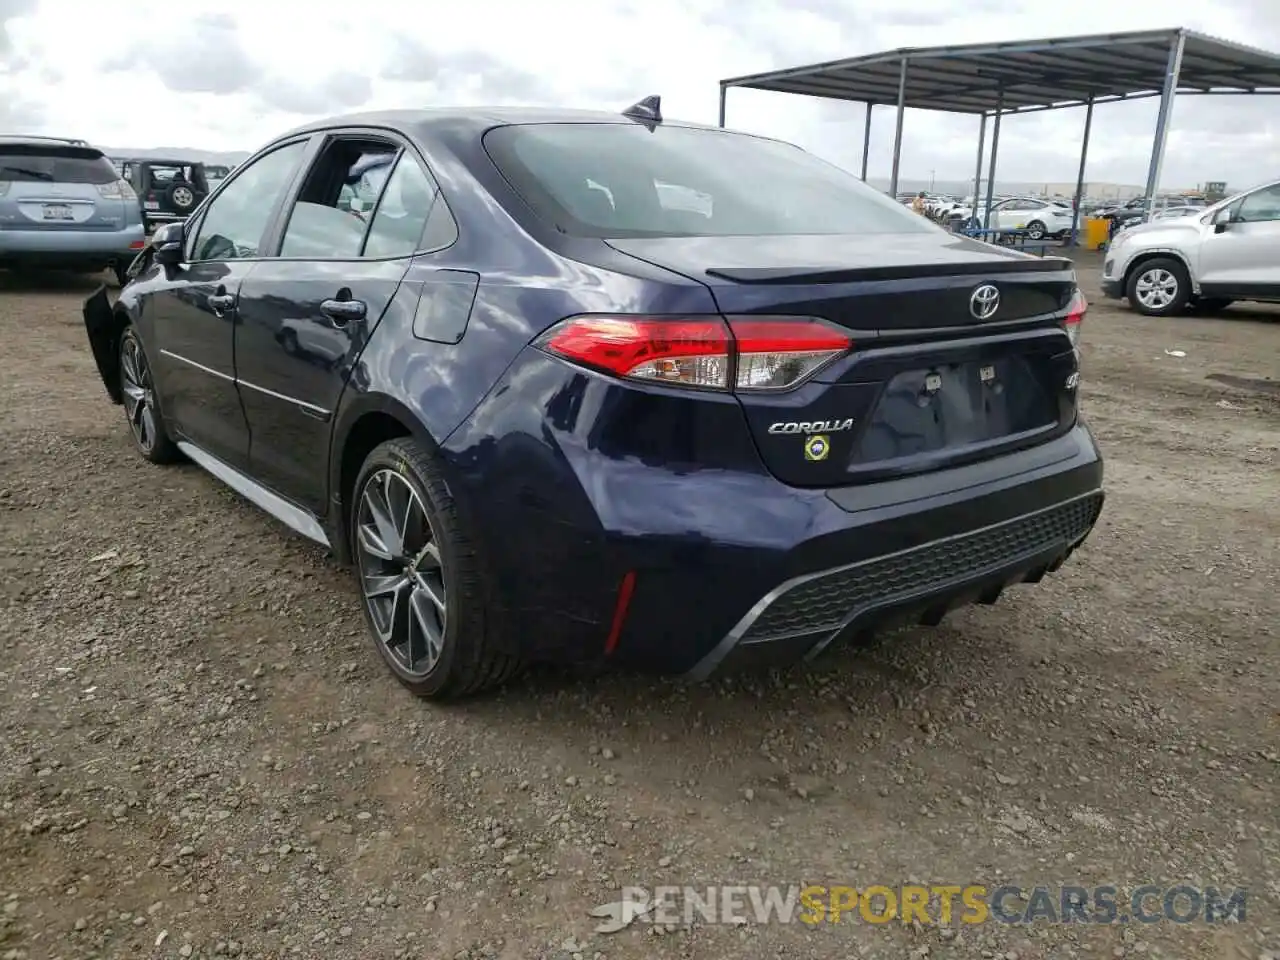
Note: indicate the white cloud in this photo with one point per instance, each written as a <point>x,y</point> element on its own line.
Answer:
<point>229,76</point>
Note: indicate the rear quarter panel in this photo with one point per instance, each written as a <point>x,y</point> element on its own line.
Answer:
<point>527,283</point>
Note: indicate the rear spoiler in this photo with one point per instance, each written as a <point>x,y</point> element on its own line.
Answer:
<point>910,271</point>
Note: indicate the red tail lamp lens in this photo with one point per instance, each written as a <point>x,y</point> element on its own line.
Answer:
<point>769,353</point>
<point>1076,311</point>
<point>781,354</point>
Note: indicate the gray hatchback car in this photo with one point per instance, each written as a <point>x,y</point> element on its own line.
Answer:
<point>64,207</point>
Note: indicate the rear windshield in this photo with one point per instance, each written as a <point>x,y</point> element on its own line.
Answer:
<point>163,174</point>
<point>51,164</point>
<point>623,180</point>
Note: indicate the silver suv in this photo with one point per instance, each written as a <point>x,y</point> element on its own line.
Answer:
<point>64,207</point>
<point>1230,252</point>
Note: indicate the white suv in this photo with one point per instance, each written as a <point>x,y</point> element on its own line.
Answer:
<point>1230,252</point>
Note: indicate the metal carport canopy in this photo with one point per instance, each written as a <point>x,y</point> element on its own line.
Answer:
<point>995,79</point>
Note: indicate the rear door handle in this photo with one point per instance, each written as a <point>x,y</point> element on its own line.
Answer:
<point>342,312</point>
<point>220,302</point>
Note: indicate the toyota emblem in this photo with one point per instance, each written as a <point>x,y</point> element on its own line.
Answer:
<point>984,302</point>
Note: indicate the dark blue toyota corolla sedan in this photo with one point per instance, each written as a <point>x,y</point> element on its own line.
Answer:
<point>591,388</point>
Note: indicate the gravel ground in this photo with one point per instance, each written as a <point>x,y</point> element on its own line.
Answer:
<point>201,756</point>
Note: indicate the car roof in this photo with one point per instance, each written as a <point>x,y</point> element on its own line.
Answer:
<point>425,119</point>
<point>25,140</point>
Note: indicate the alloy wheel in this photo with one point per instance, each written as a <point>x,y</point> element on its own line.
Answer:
<point>139,397</point>
<point>401,572</point>
<point>1156,289</point>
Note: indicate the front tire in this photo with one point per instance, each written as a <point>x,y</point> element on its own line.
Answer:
<point>1159,287</point>
<point>420,578</point>
<point>137,389</point>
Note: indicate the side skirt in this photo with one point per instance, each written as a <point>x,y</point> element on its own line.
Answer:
<point>291,516</point>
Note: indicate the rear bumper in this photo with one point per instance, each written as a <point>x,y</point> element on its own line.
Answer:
<point>71,248</point>
<point>802,616</point>
<point>729,567</point>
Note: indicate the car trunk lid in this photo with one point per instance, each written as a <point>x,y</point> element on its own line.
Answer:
<point>934,377</point>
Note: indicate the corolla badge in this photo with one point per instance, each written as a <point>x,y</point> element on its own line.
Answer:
<point>811,426</point>
<point>984,302</point>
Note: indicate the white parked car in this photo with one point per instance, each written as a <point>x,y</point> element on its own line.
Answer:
<point>1040,218</point>
<point>1231,251</point>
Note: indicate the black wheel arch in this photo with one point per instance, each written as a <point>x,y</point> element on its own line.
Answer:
<point>360,425</point>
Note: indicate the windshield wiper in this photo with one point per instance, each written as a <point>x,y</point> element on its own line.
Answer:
<point>23,171</point>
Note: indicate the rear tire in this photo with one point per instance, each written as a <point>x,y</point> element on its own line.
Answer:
<point>146,423</point>
<point>420,578</point>
<point>1035,230</point>
<point>1159,287</point>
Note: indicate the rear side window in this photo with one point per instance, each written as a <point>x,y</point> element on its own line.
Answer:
<point>364,198</point>
<point>624,180</point>
<point>331,215</point>
<point>41,164</point>
<point>402,213</point>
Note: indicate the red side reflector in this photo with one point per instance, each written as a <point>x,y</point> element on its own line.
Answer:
<point>137,245</point>
<point>625,589</point>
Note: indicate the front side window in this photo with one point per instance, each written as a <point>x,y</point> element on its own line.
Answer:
<point>624,180</point>
<point>1261,205</point>
<point>233,226</point>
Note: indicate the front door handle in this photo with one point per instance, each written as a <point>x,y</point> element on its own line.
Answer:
<point>342,312</point>
<point>221,302</point>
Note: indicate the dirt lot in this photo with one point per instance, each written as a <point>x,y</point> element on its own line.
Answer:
<point>201,756</point>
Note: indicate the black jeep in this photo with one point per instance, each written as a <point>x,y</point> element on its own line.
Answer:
<point>168,190</point>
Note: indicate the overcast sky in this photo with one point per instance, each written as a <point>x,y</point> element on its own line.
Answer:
<point>231,74</point>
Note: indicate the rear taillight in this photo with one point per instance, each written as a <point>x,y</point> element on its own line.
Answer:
<point>745,354</point>
<point>686,353</point>
<point>1076,310</point>
<point>778,354</point>
<point>4,187</point>
<point>110,190</point>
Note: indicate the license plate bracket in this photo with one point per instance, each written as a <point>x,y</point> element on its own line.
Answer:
<point>954,406</point>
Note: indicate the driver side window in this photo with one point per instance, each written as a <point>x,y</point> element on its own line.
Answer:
<point>233,226</point>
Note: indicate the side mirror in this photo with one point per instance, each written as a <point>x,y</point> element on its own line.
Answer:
<point>168,242</point>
